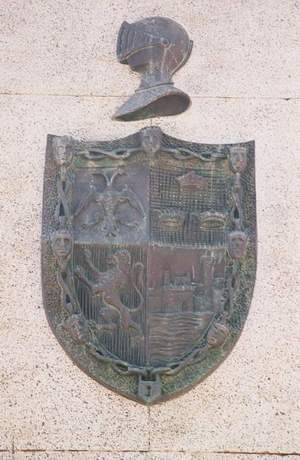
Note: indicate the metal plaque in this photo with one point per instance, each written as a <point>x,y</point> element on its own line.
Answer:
<point>155,48</point>
<point>149,256</point>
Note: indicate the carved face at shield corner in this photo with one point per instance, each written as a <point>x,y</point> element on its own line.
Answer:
<point>62,154</point>
<point>238,159</point>
<point>237,242</point>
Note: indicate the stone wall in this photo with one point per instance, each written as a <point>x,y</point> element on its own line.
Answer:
<point>59,75</point>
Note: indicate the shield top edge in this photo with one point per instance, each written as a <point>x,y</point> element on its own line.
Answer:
<point>137,135</point>
<point>148,140</point>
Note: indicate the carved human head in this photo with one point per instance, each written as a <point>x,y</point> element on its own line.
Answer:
<point>237,242</point>
<point>62,152</point>
<point>61,242</point>
<point>238,158</point>
<point>217,334</point>
<point>151,139</point>
<point>77,327</point>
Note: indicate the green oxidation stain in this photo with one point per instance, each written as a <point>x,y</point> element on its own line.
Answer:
<point>191,375</point>
<point>122,383</point>
<point>103,372</point>
<point>82,162</point>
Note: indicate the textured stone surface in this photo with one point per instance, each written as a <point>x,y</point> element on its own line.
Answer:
<point>252,400</point>
<point>142,456</point>
<point>81,456</point>
<point>247,49</point>
<point>5,456</point>
<point>62,47</point>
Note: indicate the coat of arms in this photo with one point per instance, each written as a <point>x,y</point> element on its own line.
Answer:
<point>149,253</point>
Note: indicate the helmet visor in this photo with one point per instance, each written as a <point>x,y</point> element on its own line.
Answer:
<point>132,38</point>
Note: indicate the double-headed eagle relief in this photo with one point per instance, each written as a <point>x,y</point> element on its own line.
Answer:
<point>149,246</point>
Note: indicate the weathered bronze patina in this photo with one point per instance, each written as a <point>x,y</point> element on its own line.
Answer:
<point>149,248</point>
<point>155,48</point>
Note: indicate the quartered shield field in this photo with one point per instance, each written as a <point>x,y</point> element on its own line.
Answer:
<point>149,255</point>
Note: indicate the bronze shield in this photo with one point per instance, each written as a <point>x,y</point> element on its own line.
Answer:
<point>149,255</point>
